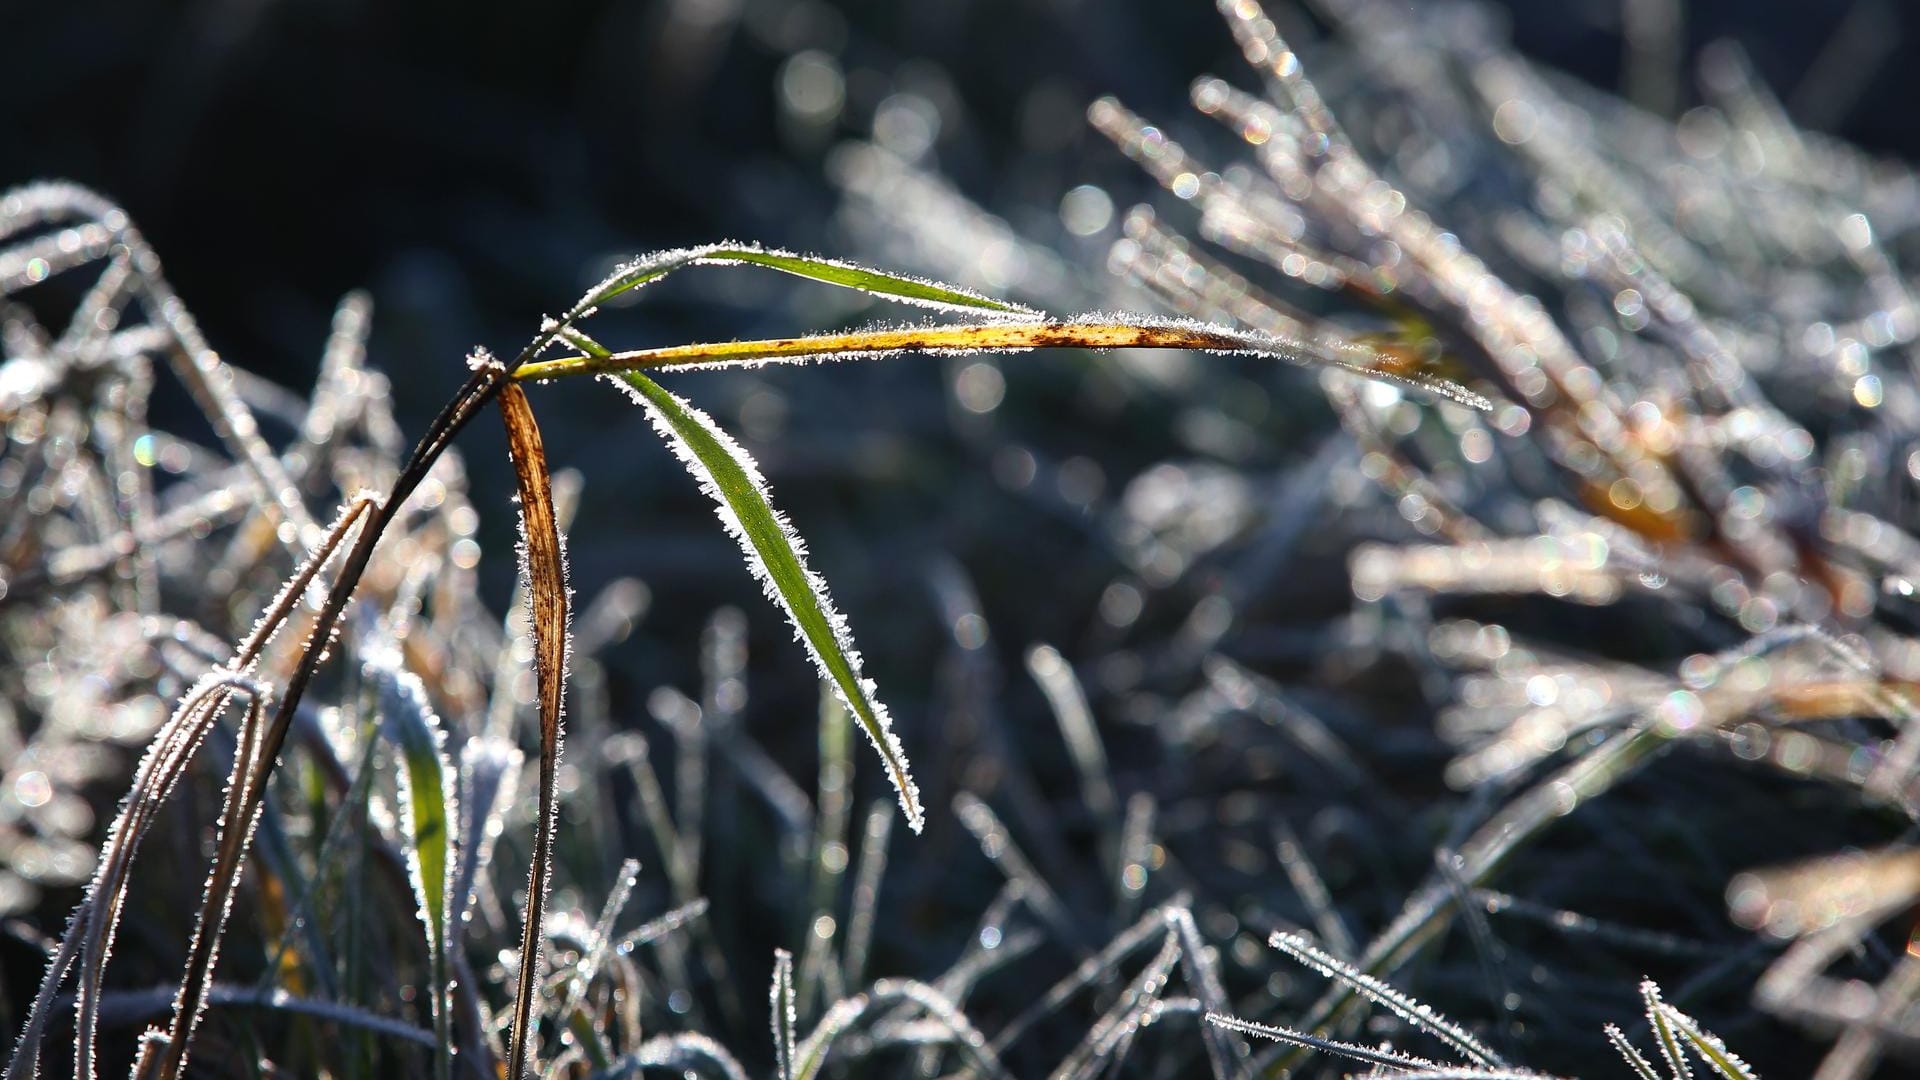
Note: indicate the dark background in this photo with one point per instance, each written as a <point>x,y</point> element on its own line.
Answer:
<point>473,164</point>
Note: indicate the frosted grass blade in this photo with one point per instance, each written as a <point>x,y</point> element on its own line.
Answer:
<point>683,1051</point>
<point>899,287</point>
<point>776,555</point>
<point>1385,1058</point>
<point>427,813</point>
<point>1708,1046</point>
<point>543,563</point>
<point>1097,331</point>
<point>1642,1068</point>
<point>489,772</point>
<point>784,1018</point>
<point>1457,1038</point>
<point>1664,1036</point>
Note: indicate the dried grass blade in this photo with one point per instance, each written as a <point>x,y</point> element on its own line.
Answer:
<point>1105,331</point>
<point>544,565</point>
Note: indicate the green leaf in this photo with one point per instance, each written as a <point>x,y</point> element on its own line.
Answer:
<point>427,814</point>
<point>777,557</point>
<point>900,287</point>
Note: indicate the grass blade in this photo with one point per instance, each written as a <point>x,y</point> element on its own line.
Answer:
<point>544,566</point>
<point>679,1051</point>
<point>489,771</point>
<point>1708,1046</point>
<point>1642,1068</point>
<point>784,1018</point>
<point>1423,1017</point>
<point>427,813</point>
<point>901,287</point>
<point>1068,701</point>
<point>1100,331</point>
<point>776,555</point>
<point>1384,1058</point>
<point>1663,1034</point>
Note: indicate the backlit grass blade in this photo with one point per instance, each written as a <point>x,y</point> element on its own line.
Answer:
<point>903,288</point>
<point>427,813</point>
<point>1383,1058</point>
<point>1664,1036</point>
<point>1635,1060</point>
<point>544,565</point>
<point>1105,331</point>
<point>780,1000</point>
<point>777,557</point>
<point>1707,1045</point>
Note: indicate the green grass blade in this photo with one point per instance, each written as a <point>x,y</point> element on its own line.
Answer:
<point>1663,1034</point>
<point>898,287</point>
<point>427,813</point>
<point>1708,1046</point>
<point>777,557</point>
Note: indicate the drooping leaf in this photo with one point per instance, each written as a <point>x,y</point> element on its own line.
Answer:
<point>777,557</point>
<point>543,562</point>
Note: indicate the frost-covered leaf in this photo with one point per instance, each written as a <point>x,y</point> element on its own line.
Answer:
<point>426,801</point>
<point>1096,331</point>
<point>777,557</point>
<point>1631,1054</point>
<point>427,813</point>
<point>543,563</point>
<point>489,772</point>
<point>899,287</point>
<point>1663,1033</point>
<point>1424,1017</point>
<point>1385,1058</point>
<point>1708,1046</point>
<point>780,1001</point>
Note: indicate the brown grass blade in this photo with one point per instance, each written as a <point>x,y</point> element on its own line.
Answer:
<point>1106,331</point>
<point>544,564</point>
